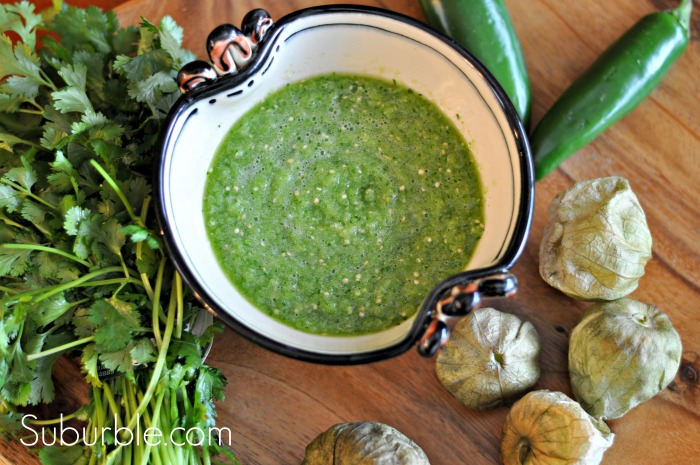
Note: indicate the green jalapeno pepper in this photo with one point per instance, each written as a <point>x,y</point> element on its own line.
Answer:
<point>618,81</point>
<point>485,29</point>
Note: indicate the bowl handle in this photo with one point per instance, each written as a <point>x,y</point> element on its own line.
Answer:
<point>230,50</point>
<point>457,301</point>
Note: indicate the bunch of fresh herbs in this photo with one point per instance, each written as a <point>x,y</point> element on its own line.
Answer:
<point>82,272</point>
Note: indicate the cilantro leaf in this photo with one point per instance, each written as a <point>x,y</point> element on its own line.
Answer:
<point>95,76</point>
<point>9,103</point>
<point>25,176</point>
<point>171,36</point>
<point>54,267</point>
<point>14,262</point>
<point>18,60</point>
<point>83,326</point>
<point>64,178</point>
<point>23,87</point>
<point>75,75</point>
<point>149,90</point>
<point>209,387</point>
<point>48,310</point>
<point>21,19</point>
<point>80,29</point>
<point>16,376</point>
<point>139,234</point>
<point>10,199</point>
<point>42,386</point>
<point>73,98</point>
<point>112,237</point>
<point>186,351</point>
<point>143,351</point>
<point>34,213</point>
<point>119,361</point>
<point>52,138</point>
<point>73,218</point>
<point>115,321</point>
<point>89,360</point>
<point>63,455</point>
<point>10,424</point>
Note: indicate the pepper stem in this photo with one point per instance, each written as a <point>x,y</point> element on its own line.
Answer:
<point>682,13</point>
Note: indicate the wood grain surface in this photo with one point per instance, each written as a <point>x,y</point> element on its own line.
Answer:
<point>276,405</point>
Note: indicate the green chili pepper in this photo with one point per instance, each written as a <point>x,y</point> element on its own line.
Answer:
<point>485,29</point>
<point>618,81</point>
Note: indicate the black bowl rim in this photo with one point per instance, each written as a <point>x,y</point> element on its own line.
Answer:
<point>508,259</point>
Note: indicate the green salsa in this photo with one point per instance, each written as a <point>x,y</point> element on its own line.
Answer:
<point>337,203</point>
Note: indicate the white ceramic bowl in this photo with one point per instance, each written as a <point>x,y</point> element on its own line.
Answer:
<point>357,40</point>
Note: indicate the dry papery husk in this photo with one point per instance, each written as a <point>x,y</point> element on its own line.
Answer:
<point>596,242</point>
<point>491,357</point>
<point>622,353</point>
<point>363,443</point>
<point>548,428</point>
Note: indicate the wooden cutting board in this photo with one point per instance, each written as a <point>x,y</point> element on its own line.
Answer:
<point>275,405</point>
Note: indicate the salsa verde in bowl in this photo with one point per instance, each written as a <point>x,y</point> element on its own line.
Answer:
<point>339,184</point>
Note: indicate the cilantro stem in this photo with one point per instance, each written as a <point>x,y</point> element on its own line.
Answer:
<point>9,222</point>
<point>120,194</point>
<point>112,403</point>
<point>127,454</point>
<point>160,363</point>
<point>41,248</point>
<point>32,102</point>
<point>139,248</point>
<point>150,423</point>
<point>206,456</point>
<point>155,321</point>
<point>129,398</point>
<point>61,348</point>
<point>27,192</point>
<point>100,407</point>
<point>180,304</point>
<point>46,80</point>
<point>31,112</point>
<point>107,282</point>
<point>54,421</point>
<point>79,281</point>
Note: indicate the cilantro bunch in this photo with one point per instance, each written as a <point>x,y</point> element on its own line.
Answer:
<point>82,273</point>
